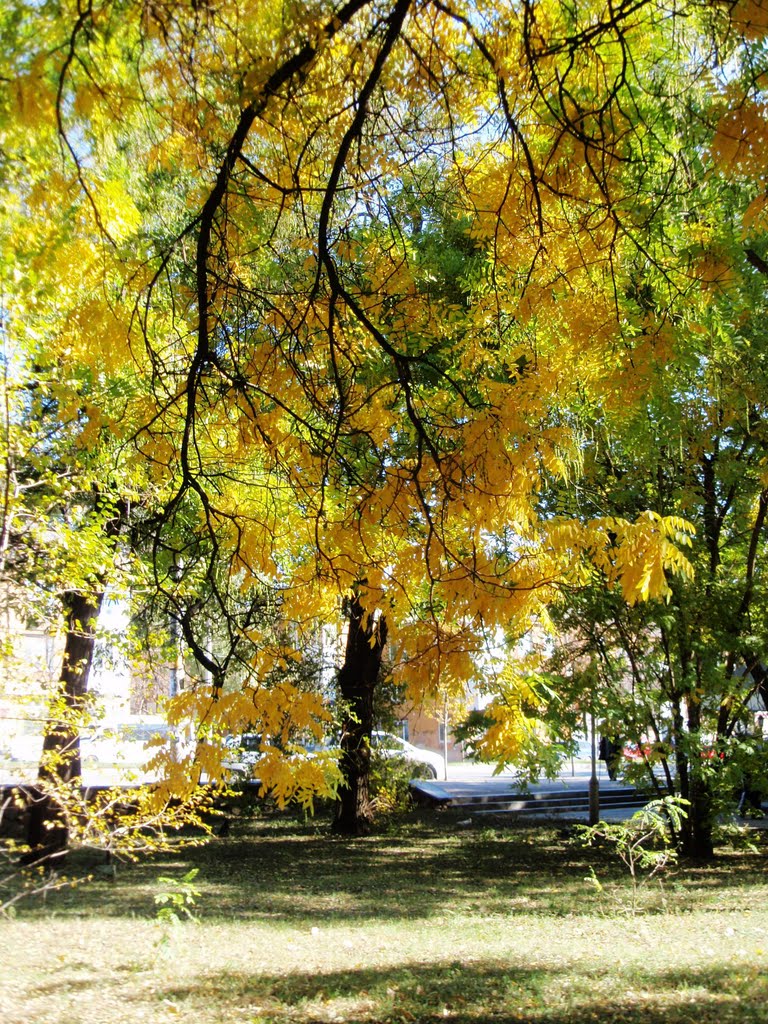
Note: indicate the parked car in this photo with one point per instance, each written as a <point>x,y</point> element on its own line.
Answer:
<point>386,744</point>
<point>123,744</point>
<point>26,748</point>
<point>242,753</point>
<point>637,752</point>
<point>653,751</point>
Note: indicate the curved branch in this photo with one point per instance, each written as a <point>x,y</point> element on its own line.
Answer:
<point>207,217</point>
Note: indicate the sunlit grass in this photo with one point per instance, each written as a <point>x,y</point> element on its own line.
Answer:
<point>430,922</point>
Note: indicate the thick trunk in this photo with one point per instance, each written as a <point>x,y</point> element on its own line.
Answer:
<point>697,839</point>
<point>47,832</point>
<point>357,683</point>
<point>697,833</point>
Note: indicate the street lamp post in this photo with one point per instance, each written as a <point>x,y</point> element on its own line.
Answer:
<point>594,785</point>
<point>445,739</point>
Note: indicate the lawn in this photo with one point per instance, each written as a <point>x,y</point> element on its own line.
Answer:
<point>431,921</point>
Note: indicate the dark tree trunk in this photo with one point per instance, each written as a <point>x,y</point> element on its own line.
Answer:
<point>697,839</point>
<point>357,683</point>
<point>47,829</point>
<point>697,833</point>
<point>47,832</point>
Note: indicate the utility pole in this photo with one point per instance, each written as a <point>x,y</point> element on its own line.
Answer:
<point>445,738</point>
<point>594,785</point>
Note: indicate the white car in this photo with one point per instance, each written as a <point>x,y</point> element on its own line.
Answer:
<point>242,753</point>
<point>123,744</point>
<point>26,747</point>
<point>386,744</point>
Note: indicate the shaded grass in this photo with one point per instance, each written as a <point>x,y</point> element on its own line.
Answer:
<point>424,923</point>
<point>283,869</point>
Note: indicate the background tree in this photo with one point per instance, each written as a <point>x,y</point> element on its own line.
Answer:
<point>685,671</point>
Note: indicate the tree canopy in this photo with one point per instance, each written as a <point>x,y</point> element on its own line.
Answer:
<point>341,287</point>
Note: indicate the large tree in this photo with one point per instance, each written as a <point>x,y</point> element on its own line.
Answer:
<point>317,413</point>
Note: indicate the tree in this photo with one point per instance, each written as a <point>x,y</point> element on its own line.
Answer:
<point>316,413</point>
<point>358,676</point>
<point>685,671</point>
<point>59,526</point>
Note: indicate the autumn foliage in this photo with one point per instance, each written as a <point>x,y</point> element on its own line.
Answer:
<point>330,293</point>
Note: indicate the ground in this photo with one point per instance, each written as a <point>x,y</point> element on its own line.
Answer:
<point>428,921</point>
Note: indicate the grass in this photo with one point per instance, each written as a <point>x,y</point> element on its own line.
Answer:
<point>428,922</point>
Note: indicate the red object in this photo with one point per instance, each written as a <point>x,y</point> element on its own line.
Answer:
<point>633,752</point>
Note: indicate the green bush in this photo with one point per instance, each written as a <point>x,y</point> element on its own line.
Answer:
<point>390,783</point>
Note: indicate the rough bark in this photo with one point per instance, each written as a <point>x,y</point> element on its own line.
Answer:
<point>697,836</point>
<point>696,839</point>
<point>47,831</point>
<point>357,683</point>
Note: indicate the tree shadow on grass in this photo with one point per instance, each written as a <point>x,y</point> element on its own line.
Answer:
<point>475,992</point>
<point>281,869</point>
<point>295,872</point>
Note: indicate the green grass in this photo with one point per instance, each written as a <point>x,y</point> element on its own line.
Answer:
<point>430,922</point>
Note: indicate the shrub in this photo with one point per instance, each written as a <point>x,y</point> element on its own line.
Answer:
<point>390,783</point>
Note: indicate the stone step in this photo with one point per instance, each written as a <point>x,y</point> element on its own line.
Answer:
<point>558,801</point>
<point>521,803</point>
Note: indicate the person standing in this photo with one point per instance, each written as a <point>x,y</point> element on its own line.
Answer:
<point>608,752</point>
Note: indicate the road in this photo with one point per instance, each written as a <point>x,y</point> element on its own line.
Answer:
<point>576,773</point>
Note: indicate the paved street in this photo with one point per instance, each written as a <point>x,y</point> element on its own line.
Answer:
<point>573,772</point>
<point>12,774</point>
<point>460,773</point>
